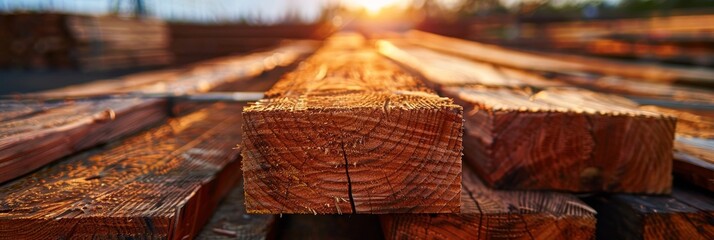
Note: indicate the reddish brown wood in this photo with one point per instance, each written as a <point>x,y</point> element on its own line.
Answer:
<point>694,161</point>
<point>350,132</point>
<point>162,183</point>
<point>693,146</point>
<point>565,139</point>
<point>33,134</point>
<point>231,221</point>
<point>497,214</point>
<point>687,214</point>
<point>442,70</point>
<point>84,42</point>
<point>559,63</point>
<point>654,92</point>
<point>197,77</point>
<point>32,139</point>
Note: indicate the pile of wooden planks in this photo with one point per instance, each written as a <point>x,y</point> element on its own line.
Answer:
<point>35,131</point>
<point>555,139</point>
<point>562,139</point>
<point>162,183</point>
<point>350,132</point>
<point>195,42</point>
<point>559,63</point>
<point>84,42</point>
<point>495,214</point>
<point>683,39</point>
<point>593,142</point>
<point>197,77</point>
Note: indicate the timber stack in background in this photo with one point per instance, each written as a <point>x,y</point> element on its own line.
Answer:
<point>83,42</point>
<point>191,42</point>
<point>684,39</point>
<point>98,43</point>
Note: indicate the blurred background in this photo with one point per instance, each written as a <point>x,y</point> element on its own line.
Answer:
<point>47,44</point>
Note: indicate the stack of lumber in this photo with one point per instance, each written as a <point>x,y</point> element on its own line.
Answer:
<point>195,77</point>
<point>563,139</point>
<point>351,132</point>
<point>684,39</point>
<point>444,70</point>
<point>107,42</point>
<point>680,39</point>
<point>693,147</point>
<point>592,141</point>
<point>36,132</point>
<point>195,42</point>
<point>496,214</point>
<point>560,63</point>
<point>685,214</point>
<point>84,42</point>
<point>162,183</point>
<point>557,138</point>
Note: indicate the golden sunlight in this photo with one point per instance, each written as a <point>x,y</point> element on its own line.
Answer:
<point>372,6</point>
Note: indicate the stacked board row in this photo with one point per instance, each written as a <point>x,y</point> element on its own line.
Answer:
<point>84,42</point>
<point>518,122</point>
<point>195,42</point>
<point>162,181</point>
<point>44,127</point>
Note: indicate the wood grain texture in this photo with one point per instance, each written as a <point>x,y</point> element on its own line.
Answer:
<point>687,214</point>
<point>162,183</point>
<point>662,93</point>
<point>497,214</point>
<point>350,132</point>
<point>559,63</point>
<point>82,42</point>
<point>33,134</point>
<point>565,139</point>
<point>198,77</point>
<point>231,221</point>
<point>694,161</point>
<point>694,124</point>
<point>445,70</point>
<point>693,146</point>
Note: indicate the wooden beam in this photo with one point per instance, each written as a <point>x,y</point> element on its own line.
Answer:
<point>350,132</point>
<point>496,214</point>
<point>37,133</point>
<point>565,139</point>
<point>447,70</point>
<point>694,161</point>
<point>231,221</point>
<point>198,77</point>
<point>662,94</point>
<point>693,146</point>
<point>559,63</point>
<point>686,214</point>
<point>162,183</point>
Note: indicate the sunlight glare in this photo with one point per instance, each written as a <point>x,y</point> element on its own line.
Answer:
<point>372,6</point>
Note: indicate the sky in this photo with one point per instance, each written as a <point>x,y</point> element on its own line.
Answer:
<point>186,10</point>
<point>255,11</point>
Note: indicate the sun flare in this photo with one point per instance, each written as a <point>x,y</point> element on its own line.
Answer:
<point>372,6</point>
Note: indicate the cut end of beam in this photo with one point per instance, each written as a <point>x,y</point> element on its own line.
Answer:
<point>351,132</point>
